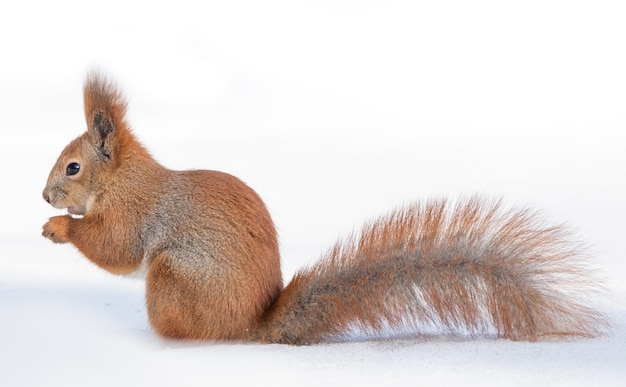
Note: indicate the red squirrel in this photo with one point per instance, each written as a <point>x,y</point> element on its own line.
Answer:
<point>209,250</point>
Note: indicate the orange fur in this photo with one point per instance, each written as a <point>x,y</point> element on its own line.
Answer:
<point>464,268</point>
<point>209,250</point>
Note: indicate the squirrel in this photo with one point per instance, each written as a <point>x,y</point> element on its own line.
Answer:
<point>209,251</point>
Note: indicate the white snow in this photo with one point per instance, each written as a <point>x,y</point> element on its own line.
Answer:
<point>335,112</point>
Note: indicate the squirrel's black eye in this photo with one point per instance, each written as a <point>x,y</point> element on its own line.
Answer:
<point>72,169</point>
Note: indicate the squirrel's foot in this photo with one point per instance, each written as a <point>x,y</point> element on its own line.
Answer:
<point>56,229</point>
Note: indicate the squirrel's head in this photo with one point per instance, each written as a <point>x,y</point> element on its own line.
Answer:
<point>86,165</point>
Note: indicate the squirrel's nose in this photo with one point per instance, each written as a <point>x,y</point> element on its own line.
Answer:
<point>46,197</point>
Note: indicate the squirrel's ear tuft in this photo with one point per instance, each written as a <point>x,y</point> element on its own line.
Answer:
<point>105,110</point>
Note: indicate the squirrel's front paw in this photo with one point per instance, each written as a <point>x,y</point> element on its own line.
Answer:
<point>56,229</point>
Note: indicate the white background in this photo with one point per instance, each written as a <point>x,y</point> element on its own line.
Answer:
<point>334,111</point>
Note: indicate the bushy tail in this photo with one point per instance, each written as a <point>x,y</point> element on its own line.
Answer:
<point>469,268</point>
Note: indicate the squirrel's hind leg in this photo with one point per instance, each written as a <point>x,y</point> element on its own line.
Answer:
<point>168,307</point>
<point>190,302</point>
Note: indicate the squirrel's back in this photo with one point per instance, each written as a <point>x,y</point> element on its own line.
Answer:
<point>218,254</point>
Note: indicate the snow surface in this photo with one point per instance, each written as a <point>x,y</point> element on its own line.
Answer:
<point>334,111</point>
